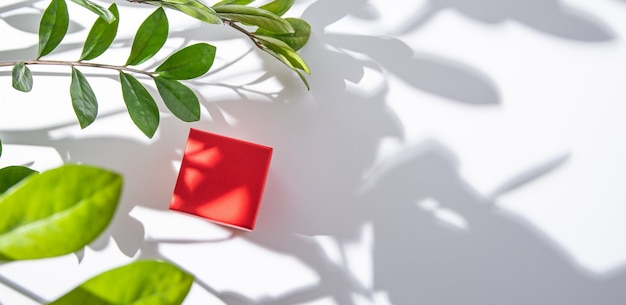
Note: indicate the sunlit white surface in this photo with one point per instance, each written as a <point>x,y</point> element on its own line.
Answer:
<point>449,152</point>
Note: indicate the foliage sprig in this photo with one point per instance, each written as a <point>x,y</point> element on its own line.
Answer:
<point>280,37</point>
<point>42,218</point>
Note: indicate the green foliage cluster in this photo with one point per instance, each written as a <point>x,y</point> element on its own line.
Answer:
<point>42,217</point>
<point>278,36</point>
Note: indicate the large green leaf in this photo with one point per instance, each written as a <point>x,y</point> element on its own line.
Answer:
<point>187,63</point>
<point>11,175</point>
<point>139,283</point>
<point>179,99</point>
<point>104,14</point>
<point>22,78</point>
<point>57,212</point>
<point>101,35</point>
<point>53,26</point>
<point>237,2</point>
<point>193,8</point>
<point>278,7</point>
<point>150,37</point>
<point>255,16</point>
<point>285,50</point>
<point>297,39</point>
<point>83,99</point>
<point>140,104</point>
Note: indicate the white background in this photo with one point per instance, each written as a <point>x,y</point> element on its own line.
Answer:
<point>449,152</point>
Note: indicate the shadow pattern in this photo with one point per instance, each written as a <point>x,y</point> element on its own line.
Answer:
<point>325,146</point>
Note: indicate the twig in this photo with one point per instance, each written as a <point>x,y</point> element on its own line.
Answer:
<point>76,63</point>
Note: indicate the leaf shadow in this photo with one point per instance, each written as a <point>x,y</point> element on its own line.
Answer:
<point>552,17</point>
<point>426,72</point>
<point>498,259</point>
<point>29,23</point>
<point>433,74</point>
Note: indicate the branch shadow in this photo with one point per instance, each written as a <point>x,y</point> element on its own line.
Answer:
<point>497,259</point>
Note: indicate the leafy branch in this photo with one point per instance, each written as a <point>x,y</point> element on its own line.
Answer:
<point>42,218</point>
<point>279,37</point>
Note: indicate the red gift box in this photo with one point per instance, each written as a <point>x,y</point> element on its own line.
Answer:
<point>221,179</point>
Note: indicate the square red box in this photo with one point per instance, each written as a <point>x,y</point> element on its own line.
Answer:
<point>221,179</point>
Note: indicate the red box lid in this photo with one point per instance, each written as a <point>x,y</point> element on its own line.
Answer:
<point>221,179</point>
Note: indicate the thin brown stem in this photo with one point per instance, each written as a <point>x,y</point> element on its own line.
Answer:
<point>235,26</point>
<point>77,64</point>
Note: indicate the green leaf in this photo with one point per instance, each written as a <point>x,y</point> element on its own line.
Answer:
<point>285,50</point>
<point>304,80</point>
<point>140,104</point>
<point>83,99</point>
<point>187,63</point>
<point>297,39</point>
<point>255,16</point>
<point>101,35</point>
<point>53,26</point>
<point>284,59</point>
<point>150,37</point>
<point>104,14</point>
<point>139,283</point>
<point>278,7</point>
<point>11,175</point>
<point>179,99</point>
<point>22,77</point>
<point>57,212</point>
<point>237,2</point>
<point>193,8</point>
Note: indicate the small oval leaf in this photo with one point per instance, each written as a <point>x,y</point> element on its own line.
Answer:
<point>287,63</point>
<point>22,78</point>
<point>278,7</point>
<point>255,16</point>
<point>282,58</point>
<point>104,14</point>
<point>141,106</point>
<point>297,39</point>
<point>101,35</point>
<point>150,37</point>
<point>285,50</point>
<point>43,217</point>
<point>142,282</point>
<point>187,63</point>
<point>179,99</point>
<point>83,99</point>
<point>11,175</point>
<point>53,26</point>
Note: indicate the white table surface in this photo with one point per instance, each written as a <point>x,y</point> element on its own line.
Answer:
<point>449,152</point>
